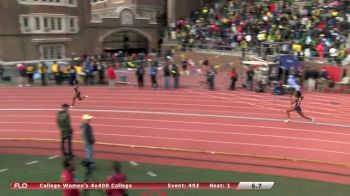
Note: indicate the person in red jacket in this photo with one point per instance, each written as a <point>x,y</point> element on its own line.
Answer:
<point>320,49</point>
<point>272,7</point>
<point>67,176</point>
<point>117,177</point>
<point>21,68</point>
<point>111,77</point>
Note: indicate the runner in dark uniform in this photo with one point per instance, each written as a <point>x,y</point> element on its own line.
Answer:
<point>295,101</point>
<point>77,94</point>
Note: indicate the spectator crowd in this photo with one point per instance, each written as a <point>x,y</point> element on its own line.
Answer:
<point>90,70</point>
<point>311,29</point>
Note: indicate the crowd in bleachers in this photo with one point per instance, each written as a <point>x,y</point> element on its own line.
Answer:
<point>317,28</point>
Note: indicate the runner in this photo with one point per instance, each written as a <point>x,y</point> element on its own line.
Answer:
<point>295,101</point>
<point>77,94</point>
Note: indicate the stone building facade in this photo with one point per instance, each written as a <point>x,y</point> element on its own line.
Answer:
<point>131,25</point>
<point>41,29</point>
<point>57,29</point>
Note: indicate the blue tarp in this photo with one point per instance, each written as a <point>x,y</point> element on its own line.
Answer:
<point>288,61</point>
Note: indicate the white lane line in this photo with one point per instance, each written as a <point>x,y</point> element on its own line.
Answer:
<point>151,174</point>
<point>218,142</point>
<point>206,94</point>
<point>133,163</point>
<point>124,106</point>
<point>175,121</point>
<point>191,122</point>
<point>164,104</point>
<point>3,170</point>
<point>128,90</point>
<point>53,157</point>
<point>230,143</point>
<point>32,162</point>
<point>268,100</point>
<point>201,131</point>
<point>178,114</point>
<point>207,141</point>
<point>108,94</point>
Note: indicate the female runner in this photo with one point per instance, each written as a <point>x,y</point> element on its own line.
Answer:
<point>295,101</point>
<point>77,94</point>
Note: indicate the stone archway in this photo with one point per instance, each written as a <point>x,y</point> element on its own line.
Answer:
<point>126,39</point>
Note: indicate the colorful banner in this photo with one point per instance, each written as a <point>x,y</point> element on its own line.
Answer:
<point>288,61</point>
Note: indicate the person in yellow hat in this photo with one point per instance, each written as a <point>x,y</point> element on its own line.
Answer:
<point>88,137</point>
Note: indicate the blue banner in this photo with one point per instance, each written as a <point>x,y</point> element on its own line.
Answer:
<point>288,61</point>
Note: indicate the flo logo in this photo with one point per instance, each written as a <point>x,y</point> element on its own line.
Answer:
<point>154,193</point>
<point>20,185</point>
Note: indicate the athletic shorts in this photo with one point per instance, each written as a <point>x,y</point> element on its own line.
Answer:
<point>77,94</point>
<point>297,108</point>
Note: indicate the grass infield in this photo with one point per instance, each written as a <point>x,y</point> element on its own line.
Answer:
<point>49,171</point>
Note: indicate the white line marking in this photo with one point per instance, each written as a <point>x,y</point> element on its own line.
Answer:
<point>184,122</point>
<point>206,94</point>
<point>272,101</point>
<point>223,142</point>
<point>176,114</point>
<point>3,170</point>
<point>110,133</point>
<point>173,121</point>
<point>53,157</point>
<point>31,163</point>
<point>184,107</point>
<point>264,101</point>
<point>122,89</point>
<point>133,163</point>
<point>232,143</point>
<point>275,113</point>
<point>249,144</point>
<point>151,174</point>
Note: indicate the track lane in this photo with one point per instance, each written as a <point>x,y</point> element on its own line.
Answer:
<point>219,130</point>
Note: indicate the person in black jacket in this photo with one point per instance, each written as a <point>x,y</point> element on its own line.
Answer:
<point>64,124</point>
<point>176,75</point>
<point>88,137</point>
<point>153,74</point>
<point>167,74</point>
<point>72,75</point>
<point>101,67</point>
<point>1,70</point>
<point>211,78</point>
<point>140,72</point>
<point>250,77</point>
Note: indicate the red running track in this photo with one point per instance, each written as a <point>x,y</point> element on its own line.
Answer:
<point>237,126</point>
